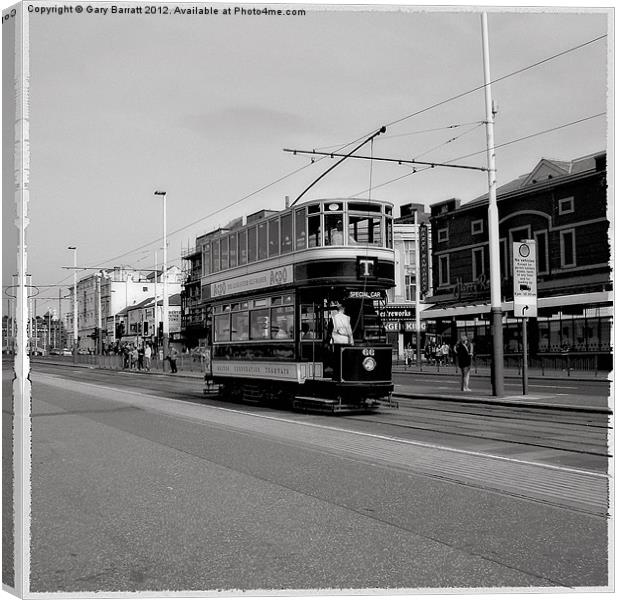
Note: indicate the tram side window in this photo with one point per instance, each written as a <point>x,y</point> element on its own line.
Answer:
<point>259,324</point>
<point>206,259</point>
<point>224,253</point>
<point>222,328</point>
<point>240,326</point>
<point>282,320</point>
<point>365,230</point>
<point>232,250</point>
<point>314,231</point>
<point>286,233</point>
<point>215,256</point>
<point>243,248</point>
<point>274,237</point>
<point>252,244</point>
<point>262,241</point>
<point>309,323</point>
<point>300,229</point>
<point>334,234</point>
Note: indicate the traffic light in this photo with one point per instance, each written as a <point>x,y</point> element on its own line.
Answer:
<point>145,328</point>
<point>160,331</point>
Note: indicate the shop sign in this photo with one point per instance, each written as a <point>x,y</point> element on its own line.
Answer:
<point>423,246</point>
<point>410,326</point>
<point>524,278</point>
<point>396,312</point>
<point>255,281</point>
<point>392,326</point>
<point>478,288</point>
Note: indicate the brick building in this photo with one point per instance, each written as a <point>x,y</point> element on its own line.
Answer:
<point>562,205</point>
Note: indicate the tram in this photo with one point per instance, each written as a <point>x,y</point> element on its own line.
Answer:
<point>272,285</point>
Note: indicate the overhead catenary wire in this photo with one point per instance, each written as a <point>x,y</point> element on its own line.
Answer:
<point>396,121</point>
<point>504,144</point>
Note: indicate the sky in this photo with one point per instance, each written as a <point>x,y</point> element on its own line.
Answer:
<point>202,106</point>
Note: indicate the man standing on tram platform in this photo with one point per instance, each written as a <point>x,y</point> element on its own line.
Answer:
<point>341,334</point>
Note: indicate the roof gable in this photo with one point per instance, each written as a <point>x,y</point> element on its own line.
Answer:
<point>547,169</point>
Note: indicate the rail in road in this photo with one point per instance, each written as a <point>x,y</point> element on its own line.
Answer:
<point>558,485</point>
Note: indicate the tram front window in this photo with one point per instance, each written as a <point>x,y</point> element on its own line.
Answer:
<point>365,230</point>
<point>334,230</point>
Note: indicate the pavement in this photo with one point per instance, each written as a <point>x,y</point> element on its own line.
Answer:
<point>551,391</point>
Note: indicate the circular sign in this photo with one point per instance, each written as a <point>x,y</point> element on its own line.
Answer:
<point>524,250</point>
<point>333,206</point>
<point>369,363</point>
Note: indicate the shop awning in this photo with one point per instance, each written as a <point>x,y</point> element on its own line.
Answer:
<point>465,309</point>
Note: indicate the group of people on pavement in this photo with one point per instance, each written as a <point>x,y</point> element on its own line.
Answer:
<point>438,354</point>
<point>442,354</point>
<point>138,357</point>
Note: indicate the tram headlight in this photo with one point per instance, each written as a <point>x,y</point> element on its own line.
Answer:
<point>369,363</point>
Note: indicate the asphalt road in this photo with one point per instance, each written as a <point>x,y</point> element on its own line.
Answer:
<point>138,490</point>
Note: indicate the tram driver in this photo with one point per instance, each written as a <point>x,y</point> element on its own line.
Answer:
<point>342,334</point>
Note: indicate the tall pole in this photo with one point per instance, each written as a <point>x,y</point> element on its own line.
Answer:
<point>418,354</point>
<point>497,365</point>
<point>57,330</point>
<point>75,304</point>
<point>155,319</point>
<point>99,340</point>
<point>164,279</point>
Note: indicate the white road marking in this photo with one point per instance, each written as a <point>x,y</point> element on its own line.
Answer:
<point>349,431</point>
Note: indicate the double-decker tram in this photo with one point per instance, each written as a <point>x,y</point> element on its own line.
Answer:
<point>273,287</point>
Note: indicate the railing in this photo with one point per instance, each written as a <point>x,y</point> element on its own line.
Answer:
<point>597,364</point>
<point>185,362</point>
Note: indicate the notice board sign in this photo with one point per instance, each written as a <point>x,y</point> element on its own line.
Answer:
<point>524,278</point>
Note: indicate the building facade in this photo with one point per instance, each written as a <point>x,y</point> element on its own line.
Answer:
<point>411,231</point>
<point>103,296</point>
<point>562,206</point>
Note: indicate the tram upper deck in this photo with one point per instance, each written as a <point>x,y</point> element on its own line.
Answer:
<point>318,243</point>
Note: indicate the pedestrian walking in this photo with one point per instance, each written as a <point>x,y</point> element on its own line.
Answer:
<point>445,354</point>
<point>140,358</point>
<point>133,357</point>
<point>464,352</point>
<point>147,357</point>
<point>408,355</point>
<point>172,359</point>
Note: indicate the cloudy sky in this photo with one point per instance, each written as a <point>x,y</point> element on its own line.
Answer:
<point>202,106</point>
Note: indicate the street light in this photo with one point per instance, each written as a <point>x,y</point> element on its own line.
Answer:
<point>75,303</point>
<point>164,279</point>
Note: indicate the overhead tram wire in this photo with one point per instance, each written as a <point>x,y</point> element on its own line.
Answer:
<point>512,74</point>
<point>527,137</point>
<point>400,120</point>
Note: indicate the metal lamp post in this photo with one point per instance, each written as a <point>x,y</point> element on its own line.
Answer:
<point>497,375</point>
<point>164,279</point>
<point>75,304</point>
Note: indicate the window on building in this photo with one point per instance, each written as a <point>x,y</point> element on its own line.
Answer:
<point>410,287</point>
<point>444,269</point>
<point>477,227</point>
<point>542,251</point>
<point>442,234</point>
<point>477,261</point>
<point>567,248</point>
<point>566,205</point>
